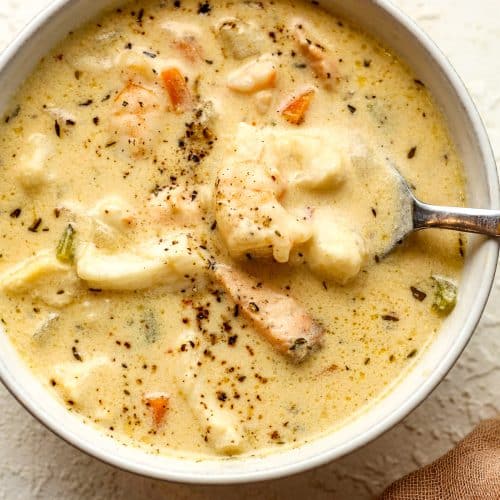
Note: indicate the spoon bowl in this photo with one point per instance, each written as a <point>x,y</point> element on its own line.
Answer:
<point>415,215</point>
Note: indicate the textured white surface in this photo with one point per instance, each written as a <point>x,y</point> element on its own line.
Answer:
<point>36,464</point>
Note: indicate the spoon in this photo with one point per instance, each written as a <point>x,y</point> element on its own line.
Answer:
<point>417,215</point>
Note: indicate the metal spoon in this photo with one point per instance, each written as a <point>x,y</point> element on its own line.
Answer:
<point>416,215</point>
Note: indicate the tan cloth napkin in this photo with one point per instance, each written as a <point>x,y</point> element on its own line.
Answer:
<point>471,471</point>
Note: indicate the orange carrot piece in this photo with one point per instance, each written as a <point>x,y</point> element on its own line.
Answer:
<point>177,89</point>
<point>159,406</point>
<point>295,110</point>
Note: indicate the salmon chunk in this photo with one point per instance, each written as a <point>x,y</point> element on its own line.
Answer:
<point>277,317</point>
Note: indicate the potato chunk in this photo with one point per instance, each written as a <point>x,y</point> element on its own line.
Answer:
<point>240,39</point>
<point>334,252</point>
<point>312,158</point>
<point>134,66</point>
<point>256,75</point>
<point>172,260</point>
<point>76,382</point>
<point>222,428</point>
<point>43,277</point>
<point>71,377</point>
<point>263,101</point>
<point>33,167</point>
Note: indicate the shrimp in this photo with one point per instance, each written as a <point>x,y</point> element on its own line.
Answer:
<point>250,217</point>
<point>321,62</point>
<point>186,38</point>
<point>135,114</point>
<point>277,317</point>
<point>177,206</point>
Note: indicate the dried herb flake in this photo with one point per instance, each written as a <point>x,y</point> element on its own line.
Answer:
<point>35,226</point>
<point>389,317</point>
<point>418,294</point>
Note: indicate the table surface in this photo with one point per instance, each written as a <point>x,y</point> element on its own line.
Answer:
<point>36,464</point>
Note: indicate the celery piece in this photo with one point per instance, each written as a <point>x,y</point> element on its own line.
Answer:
<point>45,326</point>
<point>150,327</point>
<point>445,296</point>
<point>65,251</point>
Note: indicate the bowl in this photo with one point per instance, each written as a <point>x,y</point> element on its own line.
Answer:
<point>384,21</point>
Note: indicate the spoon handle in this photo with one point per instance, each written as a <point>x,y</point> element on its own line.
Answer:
<point>469,220</point>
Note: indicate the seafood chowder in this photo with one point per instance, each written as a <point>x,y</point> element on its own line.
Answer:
<point>194,208</point>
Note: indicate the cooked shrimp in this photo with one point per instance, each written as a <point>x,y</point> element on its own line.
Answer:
<point>186,38</point>
<point>176,205</point>
<point>135,66</point>
<point>134,119</point>
<point>249,215</point>
<point>277,317</point>
<point>321,61</point>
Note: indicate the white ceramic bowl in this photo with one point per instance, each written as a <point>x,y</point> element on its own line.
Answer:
<point>384,21</point>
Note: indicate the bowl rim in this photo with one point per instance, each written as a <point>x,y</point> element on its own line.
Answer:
<point>447,361</point>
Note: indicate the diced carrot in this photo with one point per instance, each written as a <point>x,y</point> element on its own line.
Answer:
<point>177,89</point>
<point>295,110</point>
<point>158,405</point>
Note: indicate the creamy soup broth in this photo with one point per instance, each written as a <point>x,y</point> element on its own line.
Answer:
<point>183,186</point>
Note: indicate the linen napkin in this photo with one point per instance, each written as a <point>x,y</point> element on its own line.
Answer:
<point>470,471</point>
